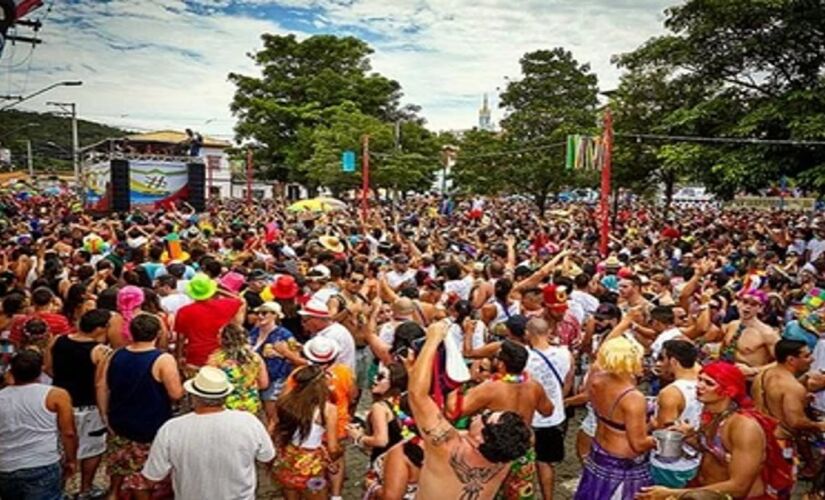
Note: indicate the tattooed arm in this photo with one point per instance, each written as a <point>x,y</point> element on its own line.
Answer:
<point>435,429</point>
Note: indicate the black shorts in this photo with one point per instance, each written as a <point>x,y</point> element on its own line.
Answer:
<point>549,444</point>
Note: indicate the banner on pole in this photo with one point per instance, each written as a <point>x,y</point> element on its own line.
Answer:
<point>348,161</point>
<point>584,152</point>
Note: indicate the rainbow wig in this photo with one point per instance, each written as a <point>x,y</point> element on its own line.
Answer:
<point>621,356</point>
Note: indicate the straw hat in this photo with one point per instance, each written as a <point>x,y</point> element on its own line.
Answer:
<point>210,382</point>
<point>315,308</point>
<point>321,350</point>
<point>271,307</point>
<point>331,243</point>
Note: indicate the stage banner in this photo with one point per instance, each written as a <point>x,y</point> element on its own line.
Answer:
<point>150,181</point>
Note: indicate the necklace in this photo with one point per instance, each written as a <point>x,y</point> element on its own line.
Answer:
<point>406,421</point>
<point>510,378</point>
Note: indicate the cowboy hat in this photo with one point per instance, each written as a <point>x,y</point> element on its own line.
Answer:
<point>201,287</point>
<point>321,350</point>
<point>210,383</point>
<point>331,243</point>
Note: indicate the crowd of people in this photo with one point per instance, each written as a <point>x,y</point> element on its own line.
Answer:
<point>458,343</point>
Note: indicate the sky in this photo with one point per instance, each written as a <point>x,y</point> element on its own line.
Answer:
<point>158,64</point>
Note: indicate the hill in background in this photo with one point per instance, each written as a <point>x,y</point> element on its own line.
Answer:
<point>51,137</point>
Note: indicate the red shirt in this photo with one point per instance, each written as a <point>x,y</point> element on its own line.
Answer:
<point>57,324</point>
<point>200,323</point>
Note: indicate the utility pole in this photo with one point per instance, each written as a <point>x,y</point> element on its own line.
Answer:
<point>70,109</point>
<point>249,176</point>
<point>365,175</point>
<point>29,158</point>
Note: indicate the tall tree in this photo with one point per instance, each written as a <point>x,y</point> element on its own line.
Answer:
<point>765,60</point>
<point>299,81</point>
<point>556,96</point>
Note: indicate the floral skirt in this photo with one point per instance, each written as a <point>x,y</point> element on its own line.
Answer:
<point>299,468</point>
<point>126,458</point>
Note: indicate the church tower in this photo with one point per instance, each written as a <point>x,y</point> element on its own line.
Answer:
<point>485,121</point>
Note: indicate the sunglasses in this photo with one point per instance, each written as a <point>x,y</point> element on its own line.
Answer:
<point>380,376</point>
<point>357,281</point>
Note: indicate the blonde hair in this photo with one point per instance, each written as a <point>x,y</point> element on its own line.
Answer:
<point>621,356</point>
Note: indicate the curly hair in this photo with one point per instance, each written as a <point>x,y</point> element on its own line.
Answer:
<point>505,440</point>
<point>235,343</point>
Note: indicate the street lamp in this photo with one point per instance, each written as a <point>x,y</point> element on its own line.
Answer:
<point>65,83</point>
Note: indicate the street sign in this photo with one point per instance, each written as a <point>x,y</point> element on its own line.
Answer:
<point>348,161</point>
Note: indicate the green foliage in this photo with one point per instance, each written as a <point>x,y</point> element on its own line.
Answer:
<point>48,128</point>
<point>751,68</point>
<point>304,84</point>
<point>410,166</point>
<point>556,96</point>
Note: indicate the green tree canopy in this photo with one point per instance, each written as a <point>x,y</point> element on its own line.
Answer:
<point>761,62</point>
<point>556,96</point>
<point>300,81</point>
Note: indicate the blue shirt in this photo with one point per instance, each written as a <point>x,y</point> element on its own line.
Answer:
<point>279,368</point>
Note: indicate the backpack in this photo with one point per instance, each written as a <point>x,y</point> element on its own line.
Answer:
<point>777,472</point>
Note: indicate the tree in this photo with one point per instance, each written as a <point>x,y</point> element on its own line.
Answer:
<point>556,96</point>
<point>300,81</point>
<point>402,165</point>
<point>763,61</point>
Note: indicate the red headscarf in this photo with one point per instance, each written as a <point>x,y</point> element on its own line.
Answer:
<point>777,473</point>
<point>731,381</point>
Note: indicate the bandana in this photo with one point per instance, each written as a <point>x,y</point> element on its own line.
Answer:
<point>731,381</point>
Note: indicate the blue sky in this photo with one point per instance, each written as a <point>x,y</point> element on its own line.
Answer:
<point>150,64</point>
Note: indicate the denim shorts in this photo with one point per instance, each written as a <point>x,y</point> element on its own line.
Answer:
<point>274,390</point>
<point>40,483</point>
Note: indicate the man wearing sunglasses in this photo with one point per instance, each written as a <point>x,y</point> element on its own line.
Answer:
<point>461,464</point>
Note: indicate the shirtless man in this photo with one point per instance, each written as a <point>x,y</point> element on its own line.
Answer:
<point>732,443</point>
<point>749,342</point>
<point>507,390</point>
<point>467,465</point>
<point>777,392</point>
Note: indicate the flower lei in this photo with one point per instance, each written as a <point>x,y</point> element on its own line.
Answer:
<point>406,421</point>
<point>510,378</point>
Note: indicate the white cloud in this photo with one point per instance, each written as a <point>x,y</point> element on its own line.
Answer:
<point>153,64</point>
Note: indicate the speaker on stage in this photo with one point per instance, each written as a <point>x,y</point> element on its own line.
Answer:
<point>119,175</point>
<point>197,186</point>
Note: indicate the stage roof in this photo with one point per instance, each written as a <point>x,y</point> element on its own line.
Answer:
<point>175,137</point>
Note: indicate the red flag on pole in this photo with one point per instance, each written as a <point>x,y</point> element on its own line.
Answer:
<point>604,205</point>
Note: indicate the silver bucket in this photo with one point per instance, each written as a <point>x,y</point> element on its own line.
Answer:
<point>668,443</point>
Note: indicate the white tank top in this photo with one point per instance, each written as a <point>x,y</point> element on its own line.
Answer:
<point>691,414</point>
<point>315,438</point>
<point>503,315</point>
<point>28,431</point>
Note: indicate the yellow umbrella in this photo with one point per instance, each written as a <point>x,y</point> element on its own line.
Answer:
<point>320,204</point>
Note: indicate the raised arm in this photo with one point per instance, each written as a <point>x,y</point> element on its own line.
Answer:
<point>435,429</point>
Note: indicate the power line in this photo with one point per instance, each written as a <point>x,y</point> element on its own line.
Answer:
<point>723,140</point>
